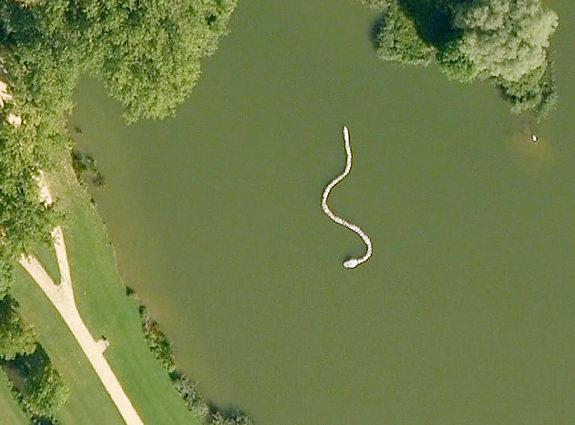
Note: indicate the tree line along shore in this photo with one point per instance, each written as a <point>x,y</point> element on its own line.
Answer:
<point>149,56</point>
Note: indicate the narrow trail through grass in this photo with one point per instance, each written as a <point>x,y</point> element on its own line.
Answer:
<point>62,298</point>
<point>107,311</point>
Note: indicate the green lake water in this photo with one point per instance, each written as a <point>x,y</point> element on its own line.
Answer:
<point>466,312</point>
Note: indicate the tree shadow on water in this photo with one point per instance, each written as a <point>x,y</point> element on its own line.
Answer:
<point>432,18</point>
<point>375,29</point>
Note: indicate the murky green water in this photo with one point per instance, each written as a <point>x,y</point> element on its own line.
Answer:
<point>465,313</point>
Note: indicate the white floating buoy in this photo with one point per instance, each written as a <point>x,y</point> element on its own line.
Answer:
<point>345,134</point>
<point>351,263</point>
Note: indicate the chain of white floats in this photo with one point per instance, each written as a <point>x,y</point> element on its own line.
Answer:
<point>352,262</point>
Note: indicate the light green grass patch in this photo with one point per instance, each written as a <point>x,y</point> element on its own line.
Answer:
<point>47,256</point>
<point>10,412</point>
<point>88,402</point>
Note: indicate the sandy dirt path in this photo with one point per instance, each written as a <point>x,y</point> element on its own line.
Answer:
<point>62,297</point>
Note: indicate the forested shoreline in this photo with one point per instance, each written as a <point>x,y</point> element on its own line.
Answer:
<point>149,56</point>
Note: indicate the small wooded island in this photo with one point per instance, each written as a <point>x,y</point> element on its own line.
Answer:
<point>503,41</point>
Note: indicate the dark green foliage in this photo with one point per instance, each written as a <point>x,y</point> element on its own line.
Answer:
<point>40,90</point>
<point>398,40</point>
<point>534,91</point>
<point>17,395</point>
<point>24,220</point>
<point>150,51</point>
<point>454,64</point>
<point>15,337</point>
<point>44,421</point>
<point>147,52</point>
<point>36,386</point>
<point>84,164</point>
<point>232,418</point>
<point>28,2</point>
<point>157,340</point>
<point>5,272</point>
<point>191,395</point>
<point>45,393</point>
<point>40,388</point>
<point>504,41</point>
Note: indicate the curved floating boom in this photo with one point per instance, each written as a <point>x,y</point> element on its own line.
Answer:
<point>352,262</point>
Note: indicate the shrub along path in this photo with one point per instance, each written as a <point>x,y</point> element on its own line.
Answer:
<point>62,297</point>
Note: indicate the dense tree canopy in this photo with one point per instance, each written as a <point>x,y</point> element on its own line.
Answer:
<point>534,90</point>
<point>148,54</point>
<point>43,392</point>
<point>398,40</point>
<point>504,41</point>
<point>15,337</point>
<point>36,385</point>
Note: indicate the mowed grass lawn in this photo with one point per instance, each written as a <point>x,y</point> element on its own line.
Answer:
<point>104,306</point>
<point>10,413</point>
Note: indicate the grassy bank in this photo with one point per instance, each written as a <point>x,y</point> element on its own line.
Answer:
<point>10,412</point>
<point>107,311</point>
<point>207,413</point>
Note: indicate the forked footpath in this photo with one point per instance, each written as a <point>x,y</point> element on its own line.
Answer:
<point>62,297</point>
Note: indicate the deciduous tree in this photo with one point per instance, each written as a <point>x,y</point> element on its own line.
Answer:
<point>398,40</point>
<point>15,337</point>
<point>504,41</point>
